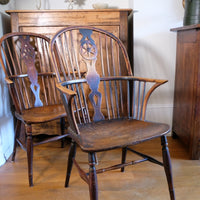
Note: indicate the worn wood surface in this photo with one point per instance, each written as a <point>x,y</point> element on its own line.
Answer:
<point>186,115</point>
<point>145,181</point>
<point>113,133</point>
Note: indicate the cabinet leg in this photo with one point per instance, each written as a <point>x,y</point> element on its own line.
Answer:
<point>174,135</point>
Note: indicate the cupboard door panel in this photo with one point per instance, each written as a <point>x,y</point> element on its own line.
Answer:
<point>50,31</point>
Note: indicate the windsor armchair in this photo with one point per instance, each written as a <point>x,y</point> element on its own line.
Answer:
<point>30,78</point>
<point>106,105</point>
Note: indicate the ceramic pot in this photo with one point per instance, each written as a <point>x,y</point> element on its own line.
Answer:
<point>192,12</point>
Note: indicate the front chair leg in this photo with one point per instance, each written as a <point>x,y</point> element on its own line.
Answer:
<point>30,153</point>
<point>72,153</point>
<point>93,185</point>
<point>62,127</point>
<point>124,151</point>
<point>167,166</point>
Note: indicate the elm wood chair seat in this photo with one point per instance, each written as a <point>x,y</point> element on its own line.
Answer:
<point>105,108</point>
<point>42,114</point>
<point>118,133</point>
<point>30,78</point>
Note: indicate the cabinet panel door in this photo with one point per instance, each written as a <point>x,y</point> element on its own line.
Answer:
<point>49,31</point>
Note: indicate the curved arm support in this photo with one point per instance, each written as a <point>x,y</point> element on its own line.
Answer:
<point>8,81</point>
<point>65,90</point>
<point>157,84</point>
<point>67,97</point>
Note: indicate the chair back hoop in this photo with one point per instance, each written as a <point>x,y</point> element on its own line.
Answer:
<point>72,46</point>
<point>26,62</point>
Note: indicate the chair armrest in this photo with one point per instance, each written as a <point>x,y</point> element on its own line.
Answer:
<point>160,81</point>
<point>8,81</point>
<point>65,90</point>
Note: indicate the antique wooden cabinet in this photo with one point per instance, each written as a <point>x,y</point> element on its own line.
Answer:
<point>186,115</point>
<point>117,21</point>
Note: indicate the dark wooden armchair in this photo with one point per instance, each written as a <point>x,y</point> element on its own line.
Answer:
<point>105,106</point>
<point>30,77</point>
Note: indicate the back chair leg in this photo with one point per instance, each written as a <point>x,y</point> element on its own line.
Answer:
<point>93,185</point>
<point>62,127</point>
<point>167,166</point>
<point>30,153</point>
<point>124,151</point>
<point>17,133</point>
<point>72,154</point>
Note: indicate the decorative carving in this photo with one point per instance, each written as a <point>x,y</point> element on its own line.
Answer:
<point>89,53</point>
<point>28,56</point>
<point>88,47</point>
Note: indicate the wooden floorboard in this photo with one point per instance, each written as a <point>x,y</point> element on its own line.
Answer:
<point>144,181</point>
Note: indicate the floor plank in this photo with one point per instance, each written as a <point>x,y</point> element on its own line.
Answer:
<point>144,181</point>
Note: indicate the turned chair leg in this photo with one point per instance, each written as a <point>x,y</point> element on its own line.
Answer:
<point>30,153</point>
<point>72,154</point>
<point>124,151</point>
<point>17,133</point>
<point>93,185</point>
<point>167,166</point>
<point>62,127</point>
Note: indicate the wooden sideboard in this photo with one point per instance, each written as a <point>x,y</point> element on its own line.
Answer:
<point>186,115</point>
<point>117,21</point>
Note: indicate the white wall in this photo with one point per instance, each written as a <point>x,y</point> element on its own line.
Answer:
<point>6,119</point>
<point>61,4</point>
<point>155,50</point>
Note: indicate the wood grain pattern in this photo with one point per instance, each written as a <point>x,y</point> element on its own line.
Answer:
<point>127,132</point>
<point>52,18</point>
<point>186,95</point>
